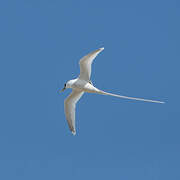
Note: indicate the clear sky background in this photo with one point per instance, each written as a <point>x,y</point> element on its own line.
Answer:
<point>41,42</point>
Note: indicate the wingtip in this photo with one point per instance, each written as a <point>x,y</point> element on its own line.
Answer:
<point>101,49</point>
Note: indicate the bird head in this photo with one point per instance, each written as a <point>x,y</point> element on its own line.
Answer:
<point>68,84</point>
<point>63,88</point>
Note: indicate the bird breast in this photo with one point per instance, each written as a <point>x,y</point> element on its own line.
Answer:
<point>85,86</point>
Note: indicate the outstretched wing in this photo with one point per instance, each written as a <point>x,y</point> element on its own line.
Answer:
<point>85,64</point>
<point>70,107</point>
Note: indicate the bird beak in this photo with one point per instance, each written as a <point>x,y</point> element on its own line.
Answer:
<point>62,89</point>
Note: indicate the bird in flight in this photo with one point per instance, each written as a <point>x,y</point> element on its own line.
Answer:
<point>83,84</point>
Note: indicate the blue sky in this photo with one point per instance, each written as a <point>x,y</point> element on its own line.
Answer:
<point>41,44</point>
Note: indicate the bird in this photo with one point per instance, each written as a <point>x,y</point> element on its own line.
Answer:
<point>84,84</point>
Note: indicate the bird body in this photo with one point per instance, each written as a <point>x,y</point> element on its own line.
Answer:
<point>83,84</point>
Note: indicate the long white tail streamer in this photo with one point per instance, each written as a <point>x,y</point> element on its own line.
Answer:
<point>132,98</point>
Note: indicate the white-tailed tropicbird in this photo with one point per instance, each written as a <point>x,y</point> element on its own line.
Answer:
<point>83,84</point>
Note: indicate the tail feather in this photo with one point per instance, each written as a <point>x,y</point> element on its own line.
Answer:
<point>132,98</point>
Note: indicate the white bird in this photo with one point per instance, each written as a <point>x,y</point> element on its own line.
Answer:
<point>83,84</point>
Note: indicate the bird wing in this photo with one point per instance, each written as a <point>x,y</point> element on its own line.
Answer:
<point>85,64</point>
<point>69,108</point>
